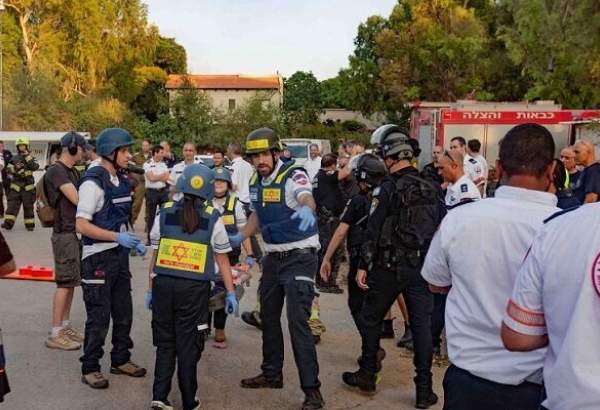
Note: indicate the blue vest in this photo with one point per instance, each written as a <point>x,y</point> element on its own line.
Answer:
<point>274,215</point>
<point>230,220</point>
<point>117,202</point>
<point>183,255</point>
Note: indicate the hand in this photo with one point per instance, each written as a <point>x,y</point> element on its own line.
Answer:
<point>306,216</point>
<point>140,249</point>
<point>148,299</point>
<point>325,270</point>
<point>361,279</point>
<point>231,303</point>
<point>236,240</point>
<point>250,261</point>
<point>127,239</point>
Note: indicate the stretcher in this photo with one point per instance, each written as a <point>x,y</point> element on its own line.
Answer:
<point>32,272</point>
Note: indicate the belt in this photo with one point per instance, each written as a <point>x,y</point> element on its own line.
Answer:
<point>286,254</point>
<point>156,189</point>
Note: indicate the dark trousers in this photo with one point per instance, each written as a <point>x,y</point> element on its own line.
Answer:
<point>464,391</point>
<point>289,276</point>
<point>356,296</point>
<point>327,227</point>
<point>1,200</point>
<point>438,318</point>
<point>154,199</point>
<point>14,200</point>
<point>106,285</point>
<point>384,288</point>
<point>179,323</point>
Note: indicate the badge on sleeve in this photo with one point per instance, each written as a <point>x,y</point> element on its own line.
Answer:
<point>596,274</point>
<point>374,204</point>
<point>464,188</point>
<point>376,191</point>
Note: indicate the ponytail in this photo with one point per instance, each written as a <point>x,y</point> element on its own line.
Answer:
<point>189,220</point>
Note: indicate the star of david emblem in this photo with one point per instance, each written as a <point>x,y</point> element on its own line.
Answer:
<point>179,251</point>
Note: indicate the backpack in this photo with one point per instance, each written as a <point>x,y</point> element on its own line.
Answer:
<point>44,210</point>
<point>417,215</point>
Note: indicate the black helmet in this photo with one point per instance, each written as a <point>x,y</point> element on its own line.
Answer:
<point>262,139</point>
<point>369,169</point>
<point>392,140</point>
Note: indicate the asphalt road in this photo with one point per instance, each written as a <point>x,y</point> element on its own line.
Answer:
<point>47,379</point>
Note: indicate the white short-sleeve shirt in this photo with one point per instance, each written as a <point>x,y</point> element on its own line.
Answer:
<point>475,169</point>
<point>91,200</point>
<point>240,214</point>
<point>460,191</point>
<point>478,250</point>
<point>241,172</point>
<point>157,168</point>
<point>297,184</point>
<point>558,293</point>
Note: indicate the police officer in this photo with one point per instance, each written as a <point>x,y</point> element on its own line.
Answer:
<point>22,186</point>
<point>330,204</point>
<point>404,215</point>
<point>191,245</point>
<point>102,217</point>
<point>284,208</point>
<point>234,218</point>
<point>353,223</point>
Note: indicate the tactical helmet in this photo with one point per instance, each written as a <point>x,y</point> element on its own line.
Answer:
<point>391,140</point>
<point>262,139</point>
<point>111,139</point>
<point>223,174</point>
<point>196,180</point>
<point>22,141</point>
<point>369,169</point>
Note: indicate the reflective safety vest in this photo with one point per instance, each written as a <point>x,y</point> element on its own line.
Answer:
<point>184,255</point>
<point>228,214</point>
<point>277,226</point>
<point>114,214</point>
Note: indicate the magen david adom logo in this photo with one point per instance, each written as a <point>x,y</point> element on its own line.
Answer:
<point>596,274</point>
<point>196,182</point>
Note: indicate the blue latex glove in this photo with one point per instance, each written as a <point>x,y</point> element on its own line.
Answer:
<point>148,299</point>
<point>127,240</point>
<point>250,261</point>
<point>306,216</point>
<point>231,303</point>
<point>236,240</point>
<point>140,249</point>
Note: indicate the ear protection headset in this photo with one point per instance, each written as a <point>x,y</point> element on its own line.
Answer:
<point>72,147</point>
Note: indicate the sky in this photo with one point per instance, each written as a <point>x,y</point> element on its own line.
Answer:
<point>259,37</point>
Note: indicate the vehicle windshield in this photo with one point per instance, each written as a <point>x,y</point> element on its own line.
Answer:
<point>298,151</point>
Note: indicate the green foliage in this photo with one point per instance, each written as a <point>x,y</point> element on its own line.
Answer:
<point>302,101</point>
<point>171,56</point>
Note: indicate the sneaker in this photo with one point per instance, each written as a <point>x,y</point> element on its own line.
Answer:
<point>161,405</point>
<point>262,382</point>
<point>129,368</point>
<point>252,318</point>
<point>366,382</point>
<point>62,342</point>
<point>73,334</point>
<point>95,380</point>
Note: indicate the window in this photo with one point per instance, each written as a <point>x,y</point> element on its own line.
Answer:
<point>231,104</point>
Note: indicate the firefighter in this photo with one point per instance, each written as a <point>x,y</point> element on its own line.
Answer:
<point>22,186</point>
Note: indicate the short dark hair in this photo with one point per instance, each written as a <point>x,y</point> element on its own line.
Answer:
<point>328,160</point>
<point>560,175</point>
<point>460,140</point>
<point>235,148</point>
<point>526,149</point>
<point>474,145</point>
<point>219,151</point>
<point>156,149</point>
<point>147,140</point>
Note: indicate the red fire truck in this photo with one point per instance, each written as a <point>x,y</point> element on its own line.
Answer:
<point>437,123</point>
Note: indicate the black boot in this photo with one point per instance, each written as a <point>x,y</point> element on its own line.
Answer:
<point>312,400</point>
<point>387,330</point>
<point>252,318</point>
<point>380,356</point>
<point>406,340</point>
<point>262,382</point>
<point>425,397</point>
<point>365,381</point>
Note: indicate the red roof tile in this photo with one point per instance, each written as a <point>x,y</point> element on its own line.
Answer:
<point>237,82</point>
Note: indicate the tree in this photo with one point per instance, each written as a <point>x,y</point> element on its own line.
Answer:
<point>170,56</point>
<point>193,111</point>
<point>302,98</point>
<point>557,43</point>
<point>333,93</point>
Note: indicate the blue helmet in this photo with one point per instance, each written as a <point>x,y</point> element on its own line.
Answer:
<point>197,180</point>
<point>111,139</point>
<point>223,174</point>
